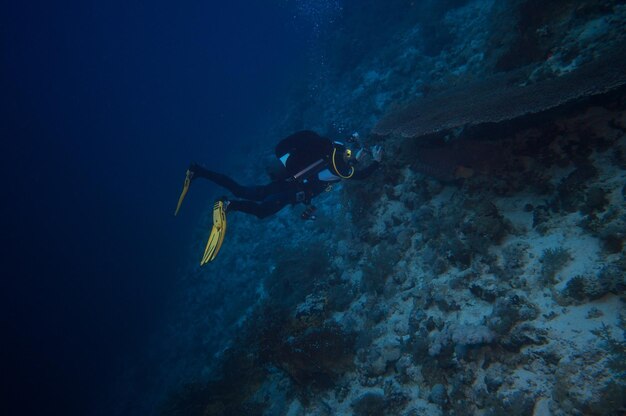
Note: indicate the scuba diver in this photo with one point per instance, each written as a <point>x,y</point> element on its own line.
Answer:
<point>310,164</point>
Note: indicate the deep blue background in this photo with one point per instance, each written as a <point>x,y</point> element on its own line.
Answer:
<point>103,105</point>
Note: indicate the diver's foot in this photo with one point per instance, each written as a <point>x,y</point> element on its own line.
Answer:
<point>217,232</point>
<point>189,175</point>
<point>193,169</point>
<point>225,202</point>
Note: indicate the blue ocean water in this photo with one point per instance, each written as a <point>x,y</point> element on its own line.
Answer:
<point>103,106</point>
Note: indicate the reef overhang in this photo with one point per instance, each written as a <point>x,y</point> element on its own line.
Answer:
<point>501,100</point>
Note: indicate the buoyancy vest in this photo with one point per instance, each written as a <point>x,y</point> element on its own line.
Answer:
<point>308,156</point>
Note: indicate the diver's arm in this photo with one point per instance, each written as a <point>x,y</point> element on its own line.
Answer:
<point>364,173</point>
<point>377,155</point>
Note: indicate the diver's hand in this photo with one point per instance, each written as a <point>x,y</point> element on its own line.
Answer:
<point>377,153</point>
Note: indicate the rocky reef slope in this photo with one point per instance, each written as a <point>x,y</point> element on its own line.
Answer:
<point>481,271</point>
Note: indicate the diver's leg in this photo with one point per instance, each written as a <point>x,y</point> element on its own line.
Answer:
<point>263,209</point>
<point>254,193</point>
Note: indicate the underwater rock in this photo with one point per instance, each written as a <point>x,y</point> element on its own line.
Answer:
<point>418,345</point>
<point>416,317</point>
<point>552,261</point>
<point>341,295</point>
<point>311,312</point>
<point>595,201</point>
<point>452,161</point>
<point>294,276</point>
<point>486,294</point>
<point>317,357</point>
<point>443,302</point>
<point>575,288</point>
<point>509,311</point>
<point>542,407</point>
<point>541,215</point>
<point>584,385</point>
<point>513,403</point>
<point>514,260</point>
<point>493,382</point>
<point>570,189</point>
<point>396,401</point>
<point>613,235</point>
<point>610,228</point>
<point>522,335</point>
<point>231,392</point>
<point>438,395</point>
<point>532,31</point>
<point>479,396</point>
<point>369,404</point>
<point>408,371</point>
<point>381,356</point>
<point>484,225</point>
<point>594,313</point>
<point>318,408</point>
<point>377,312</point>
<point>611,279</point>
<point>459,336</point>
<point>382,259</point>
<point>459,232</point>
<point>456,252</point>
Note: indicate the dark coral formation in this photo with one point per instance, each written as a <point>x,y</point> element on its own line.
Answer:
<point>314,358</point>
<point>611,279</point>
<point>571,189</point>
<point>535,31</point>
<point>552,261</point>
<point>509,311</point>
<point>501,98</point>
<point>229,394</point>
<point>461,231</point>
<point>295,275</point>
<point>370,404</point>
<point>317,357</point>
<point>609,227</point>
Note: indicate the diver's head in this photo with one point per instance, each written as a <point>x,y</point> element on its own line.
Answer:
<point>343,155</point>
<point>353,147</point>
<point>348,156</point>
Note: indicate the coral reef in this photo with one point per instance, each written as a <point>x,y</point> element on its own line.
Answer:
<point>480,270</point>
<point>611,279</point>
<point>316,357</point>
<point>370,404</point>
<point>552,260</point>
<point>230,393</point>
<point>294,276</point>
<point>500,99</point>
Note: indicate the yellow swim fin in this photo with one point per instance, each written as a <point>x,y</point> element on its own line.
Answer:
<point>217,233</point>
<point>188,177</point>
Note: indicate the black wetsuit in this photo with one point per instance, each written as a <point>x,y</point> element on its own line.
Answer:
<point>302,150</point>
